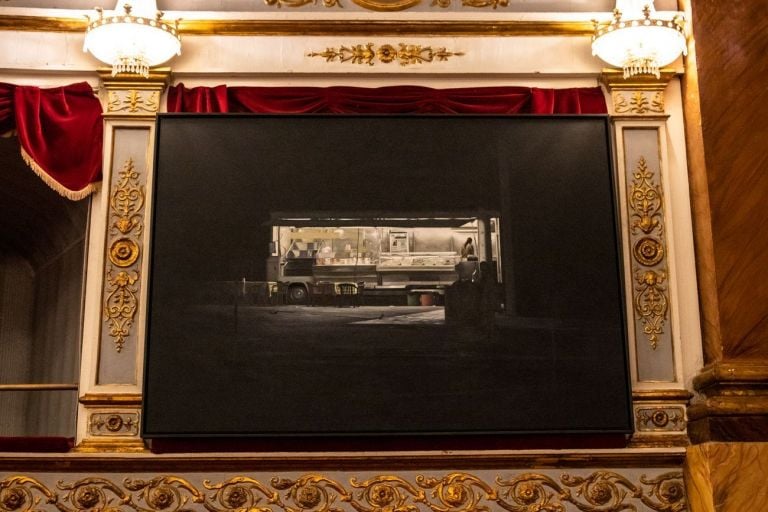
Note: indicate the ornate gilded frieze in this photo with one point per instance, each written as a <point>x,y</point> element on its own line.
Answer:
<point>599,491</point>
<point>113,424</point>
<point>650,298</point>
<point>369,53</point>
<point>133,101</point>
<point>124,253</point>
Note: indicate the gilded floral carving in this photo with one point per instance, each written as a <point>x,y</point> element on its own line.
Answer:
<point>456,492</point>
<point>312,492</point>
<point>239,493</point>
<point>111,424</point>
<point>531,491</point>
<point>386,493</point>
<point>404,54</point>
<point>598,491</point>
<point>166,493</point>
<point>655,419</point>
<point>121,300</point>
<point>651,303</point>
<point>645,202</point>
<point>133,101</point>
<point>639,102</point>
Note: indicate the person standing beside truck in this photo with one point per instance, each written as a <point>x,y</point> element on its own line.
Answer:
<point>468,250</point>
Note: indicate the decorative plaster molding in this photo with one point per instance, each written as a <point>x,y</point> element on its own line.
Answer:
<point>347,27</point>
<point>646,216</point>
<point>598,491</point>
<point>121,301</point>
<point>404,55</point>
<point>641,95</point>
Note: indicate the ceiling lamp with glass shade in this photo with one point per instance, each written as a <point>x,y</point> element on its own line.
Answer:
<point>638,40</point>
<point>133,37</point>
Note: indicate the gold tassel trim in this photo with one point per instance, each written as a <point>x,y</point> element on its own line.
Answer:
<point>74,195</point>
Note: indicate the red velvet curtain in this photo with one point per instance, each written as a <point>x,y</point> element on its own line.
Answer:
<point>60,132</point>
<point>387,100</point>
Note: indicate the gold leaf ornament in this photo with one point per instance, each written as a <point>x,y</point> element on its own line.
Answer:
<point>602,491</point>
<point>386,493</point>
<point>312,492</point>
<point>164,493</point>
<point>457,492</point>
<point>240,493</point>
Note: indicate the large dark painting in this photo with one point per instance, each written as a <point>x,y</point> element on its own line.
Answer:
<point>336,275</point>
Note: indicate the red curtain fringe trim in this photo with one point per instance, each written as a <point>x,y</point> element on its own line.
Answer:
<point>74,195</point>
<point>60,132</point>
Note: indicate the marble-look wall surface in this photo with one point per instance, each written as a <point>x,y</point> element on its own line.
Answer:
<point>731,44</point>
<point>727,477</point>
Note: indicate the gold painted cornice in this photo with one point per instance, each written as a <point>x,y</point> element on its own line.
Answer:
<point>614,80</point>
<point>159,78</point>
<point>337,27</point>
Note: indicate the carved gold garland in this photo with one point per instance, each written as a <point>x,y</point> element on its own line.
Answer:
<point>600,491</point>
<point>124,250</point>
<point>646,216</point>
<point>386,53</point>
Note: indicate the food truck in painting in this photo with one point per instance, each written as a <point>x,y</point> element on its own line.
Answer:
<point>391,258</point>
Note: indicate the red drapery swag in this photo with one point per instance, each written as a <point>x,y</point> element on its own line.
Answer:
<point>60,133</point>
<point>387,100</point>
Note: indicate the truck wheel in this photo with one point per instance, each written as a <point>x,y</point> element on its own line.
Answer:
<point>297,294</point>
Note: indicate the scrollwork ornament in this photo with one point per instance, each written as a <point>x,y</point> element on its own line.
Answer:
<point>120,305</point>
<point>239,494</point>
<point>404,54</point>
<point>638,103</point>
<point>531,491</point>
<point>93,494</point>
<point>386,493</point>
<point>127,201</point>
<point>457,492</point>
<point>651,303</point>
<point>23,494</point>
<point>163,493</point>
<point>667,492</point>
<point>133,101</point>
<point>602,491</point>
<point>312,492</point>
<point>645,200</point>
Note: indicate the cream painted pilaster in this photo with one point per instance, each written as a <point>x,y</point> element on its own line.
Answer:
<point>109,413</point>
<point>649,168</point>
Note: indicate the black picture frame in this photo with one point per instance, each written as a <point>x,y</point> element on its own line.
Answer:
<point>556,366</point>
